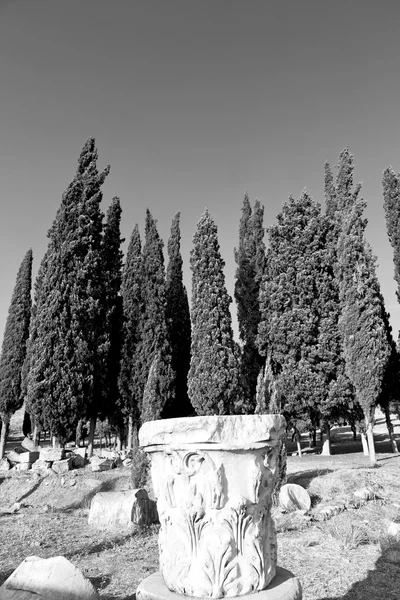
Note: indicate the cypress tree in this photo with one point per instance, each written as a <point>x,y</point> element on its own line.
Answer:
<point>362,323</point>
<point>213,379</point>
<point>154,340</point>
<point>67,340</point>
<point>250,258</point>
<point>391,197</point>
<point>14,347</point>
<point>112,302</point>
<point>296,333</point>
<point>130,385</point>
<point>178,321</point>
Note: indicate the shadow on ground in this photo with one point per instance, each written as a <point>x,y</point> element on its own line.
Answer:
<point>304,478</point>
<point>383,582</point>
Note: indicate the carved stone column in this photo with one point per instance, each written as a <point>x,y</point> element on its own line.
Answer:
<point>213,478</point>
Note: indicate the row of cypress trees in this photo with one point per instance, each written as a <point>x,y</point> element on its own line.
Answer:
<point>115,341</point>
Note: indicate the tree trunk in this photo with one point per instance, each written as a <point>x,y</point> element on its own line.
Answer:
<point>56,442</point>
<point>326,447</point>
<point>78,435</point>
<point>312,441</point>
<point>119,437</point>
<point>130,434</point>
<point>36,435</point>
<point>364,443</point>
<point>5,427</point>
<point>354,430</point>
<point>389,426</point>
<point>321,435</point>
<point>92,430</point>
<point>298,442</point>
<point>371,443</point>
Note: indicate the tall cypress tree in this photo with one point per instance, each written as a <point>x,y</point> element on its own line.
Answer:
<point>130,384</point>
<point>178,321</point>
<point>154,347</point>
<point>296,332</point>
<point>249,257</point>
<point>391,197</point>
<point>112,302</point>
<point>362,323</point>
<point>67,340</point>
<point>14,347</point>
<point>214,368</point>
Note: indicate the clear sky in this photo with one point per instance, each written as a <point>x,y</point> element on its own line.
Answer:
<point>193,102</point>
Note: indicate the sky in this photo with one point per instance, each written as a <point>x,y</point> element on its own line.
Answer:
<point>193,103</point>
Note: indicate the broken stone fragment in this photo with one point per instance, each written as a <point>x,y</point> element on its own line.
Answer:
<point>294,497</point>
<point>62,466</point>
<point>52,454</point>
<point>53,578</point>
<point>121,509</point>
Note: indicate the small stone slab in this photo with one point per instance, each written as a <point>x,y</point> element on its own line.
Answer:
<point>47,579</point>
<point>101,464</point>
<point>52,454</point>
<point>22,457</point>
<point>284,586</point>
<point>5,464</point>
<point>78,461</point>
<point>29,445</point>
<point>294,497</point>
<point>62,466</point>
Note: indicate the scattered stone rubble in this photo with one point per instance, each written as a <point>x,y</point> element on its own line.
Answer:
<point>27,456</point>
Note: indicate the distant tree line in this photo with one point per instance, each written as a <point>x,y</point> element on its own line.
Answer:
<point>113,341</point>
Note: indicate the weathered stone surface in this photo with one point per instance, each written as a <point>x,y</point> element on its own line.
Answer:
<point>62,466</point>
<point>284,586</point>
<point>23,466</point>
<point>22,457</point>
<point>51,454</point>
<point>80,452</point>
<point>120,509</point>
<point>394,529</point>
<point>101,464</point>
<point>331,510</point>
<point>233,432</point>
<point>28,444</point>
<point>365,494</point>
<point>213,478</point>
<point>5,464</point>
<point>40,465</point>
<point>294,497</point>
<point>53,578</point>
<point>112,454</point>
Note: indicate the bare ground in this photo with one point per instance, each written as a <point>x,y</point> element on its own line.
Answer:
<point>349,557</point>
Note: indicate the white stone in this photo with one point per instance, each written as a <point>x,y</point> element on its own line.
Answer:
<point>213,477</point>
<point>5,464</point>
<point>294,497</point>
<point>50,454</point>
<point>62,466</point>
<point>101,464</point>
<point>394,529</point>
<point>365,494</point>
<point>80,452</point>
<point>120,509</point>
<point>28,444</point>
<point>53,578</point>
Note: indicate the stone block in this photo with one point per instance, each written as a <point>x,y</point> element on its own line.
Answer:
<point>294,497</point>
<point>41,465</point>
<point>28,444</point>
<point>5,464</point>
<point>23,466</point>
<point>78,461</point>
<point>62,466</point>
<point>22,457</point>
<point>121,509</point>
<point>53,578</point>
<point>394,529</point>
<point>51,454</point>
<point>80,452</point>
<point>101,464</point>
